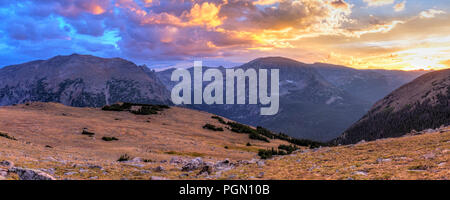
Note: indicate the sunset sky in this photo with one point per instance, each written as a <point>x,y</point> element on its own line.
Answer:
<point>386,34</point>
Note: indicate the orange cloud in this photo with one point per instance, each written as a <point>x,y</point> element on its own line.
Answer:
<point>204,14</point>
<point>265,2</point>
<point>446,62</point>
<point>400,6</point>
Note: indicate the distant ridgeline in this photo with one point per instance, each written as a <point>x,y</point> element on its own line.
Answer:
<point>81,80</point>
<point>422,104</point>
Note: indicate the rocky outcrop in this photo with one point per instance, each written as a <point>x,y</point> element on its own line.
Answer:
<point>31,174</point>
<point>194,164</point>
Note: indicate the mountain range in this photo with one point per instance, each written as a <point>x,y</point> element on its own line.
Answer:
<point>80,80</point>
<point>317,101</point>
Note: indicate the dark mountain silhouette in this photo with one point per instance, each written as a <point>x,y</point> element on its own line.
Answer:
<point>80,80</point>
<point>421,104</point>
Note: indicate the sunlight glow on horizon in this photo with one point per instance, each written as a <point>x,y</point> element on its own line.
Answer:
<point>362,34</point>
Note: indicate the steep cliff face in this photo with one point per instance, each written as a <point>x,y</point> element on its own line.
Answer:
<point>80,80</point>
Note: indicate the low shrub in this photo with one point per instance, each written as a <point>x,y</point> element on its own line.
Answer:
<point>269,153</point>
<point>109,139</point>
<point>124,157</point>
<point>248,144</point>
<point>5,135</point>
<point>220,119</point>
<point>240,128</point>
<point>256,136</point>
<point>212,127</point>
<point>85,132</point>
<point>288,148</point>
<point>145,109</point>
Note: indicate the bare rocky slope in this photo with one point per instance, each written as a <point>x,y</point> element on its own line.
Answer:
<point>421,104</point>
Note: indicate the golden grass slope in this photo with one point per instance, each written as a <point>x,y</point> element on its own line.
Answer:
<point>411,157</point>
<point>49,139</point>
<point>157,138</point>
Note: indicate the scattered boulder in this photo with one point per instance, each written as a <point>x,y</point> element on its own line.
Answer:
<point>183,175</point>
<point>261,174</point>
<point>224,165</point>
<point>70,173</point>
<point>176,160</point>
<point>95,167</point>
<point>361,173</point>
<point>194,164</point>
<point>232,176</point>
<point>157,178</point>
<point>159,169</point>
<point>260,163</point>
<point>31,174</point>
<point>3,174</point>
<point>429,156</point>
<point>6,163</point>
<point>429,131</point>
<point>361,142</point>
<point>381,160</point>
<point>137,159</point>
<point>207,169</point>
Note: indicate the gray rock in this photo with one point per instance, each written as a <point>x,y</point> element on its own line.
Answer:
<point>361,173</point>
<point>429,156</point>
<point>194,164</point>
<point>31,174</point>
<point>3,174</point>
<point>361,142</point>
<point>260,163</point>
<point>224,165</point>
<point>159,169</point>
<point>93,178</point>
<point>157,178</point>
<point>70,173</point>
<point>381,160</point>
<point>231,176</point>
<point>207,169</point>
<point>50,171</point>
<point>7,163</point>
<point>95,167</point>
<point>176,160</point>
<point>261,174</point>
<point>136,160</point>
